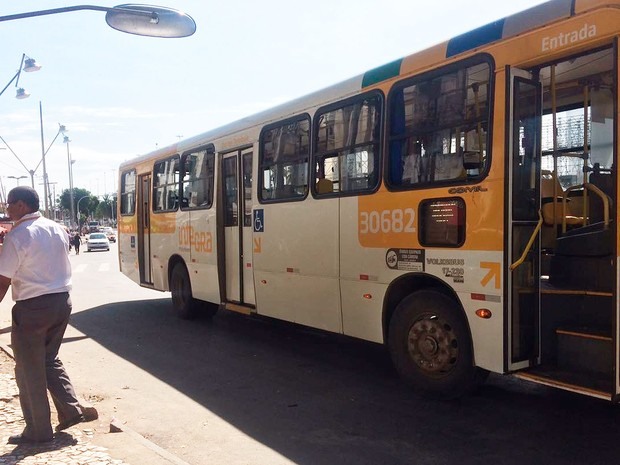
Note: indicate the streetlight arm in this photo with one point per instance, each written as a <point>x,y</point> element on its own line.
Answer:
<point>78,203</point>
<point>48,149</point>
<point>17,74</point>
<point>11,81</point>
<point>18,159</point>
<point>67,9</point>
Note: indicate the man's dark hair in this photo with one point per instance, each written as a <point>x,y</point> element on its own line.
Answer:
<point>27,195</point>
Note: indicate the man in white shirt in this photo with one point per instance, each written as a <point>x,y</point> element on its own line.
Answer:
<point>35,263</point>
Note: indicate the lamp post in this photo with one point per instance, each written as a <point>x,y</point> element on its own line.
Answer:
<point>31,172</point>
<point>17,178</point>
<point>66,140</point>
<point>61,130</point>
<point>45,186</point>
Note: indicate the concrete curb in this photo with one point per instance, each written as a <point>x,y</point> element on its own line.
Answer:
<point>118,426</point>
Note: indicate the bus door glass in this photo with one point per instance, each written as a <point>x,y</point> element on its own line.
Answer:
<point>232,245</point>
<point>237,205</point>
<point>144,229</point>
<point>614,152</point>
<point>524,119</point>
<point>246,229</point>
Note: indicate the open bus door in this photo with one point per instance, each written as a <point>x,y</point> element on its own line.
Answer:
<point>524,120</point>
<point>563,312</point>
<point>144,229</point>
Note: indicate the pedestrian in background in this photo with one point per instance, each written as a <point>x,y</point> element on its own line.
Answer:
<point>77,241</point>
<point>35,262</point>
<point>70,238</point>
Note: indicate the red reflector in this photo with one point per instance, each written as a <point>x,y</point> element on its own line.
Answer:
<point>484,313</point>
<point>368,296</point>
<point>289,270</point>
<point>478,297</point>
<point>364,277</point>
<point>248,265</point>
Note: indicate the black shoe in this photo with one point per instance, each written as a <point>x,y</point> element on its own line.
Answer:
<point>90,413</point>
<point>69,423</point>
<point>20,439</point>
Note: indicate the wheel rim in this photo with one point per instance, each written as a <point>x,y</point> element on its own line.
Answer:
<point>433,345</point>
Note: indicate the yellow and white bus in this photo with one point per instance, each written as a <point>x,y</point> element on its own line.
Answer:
<point>458,205</point>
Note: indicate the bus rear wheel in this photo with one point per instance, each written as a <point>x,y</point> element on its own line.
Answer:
<point>183,303</point>
<point>430,346</point>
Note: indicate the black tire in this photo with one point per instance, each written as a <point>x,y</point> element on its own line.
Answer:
<point>183,304</point>
<point>209,309</point>
<point>430,345</point>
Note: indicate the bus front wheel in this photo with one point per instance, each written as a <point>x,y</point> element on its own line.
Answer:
<point>430,345</point>
<point>183,304</point>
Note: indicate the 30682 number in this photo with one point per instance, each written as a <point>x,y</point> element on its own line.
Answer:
<point>387,221</point>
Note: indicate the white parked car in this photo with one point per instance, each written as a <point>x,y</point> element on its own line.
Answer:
<point>97,241</point>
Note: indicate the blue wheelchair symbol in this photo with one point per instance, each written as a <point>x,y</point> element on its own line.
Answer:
<point>259,220</point>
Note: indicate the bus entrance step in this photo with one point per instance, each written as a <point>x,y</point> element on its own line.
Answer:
<point>585,350</point>
<point>243,309</point>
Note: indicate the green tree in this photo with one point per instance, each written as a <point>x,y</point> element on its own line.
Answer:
<point>105,207</point>
<point>87,204</point>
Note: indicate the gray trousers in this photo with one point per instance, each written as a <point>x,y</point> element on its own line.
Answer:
<point>38,328</point>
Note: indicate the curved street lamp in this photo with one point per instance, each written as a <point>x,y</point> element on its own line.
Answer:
<point>66,140</point>
<point>17,178</point>
<point>78,208</point>
<point>143,20</point>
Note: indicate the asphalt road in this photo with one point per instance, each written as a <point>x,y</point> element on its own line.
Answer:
<point>239,390</point>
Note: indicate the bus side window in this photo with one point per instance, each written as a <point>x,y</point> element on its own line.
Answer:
<point>197,181</point>
<point>283,159</point>
<point>128,193</point>
<point>438,126</point>
<point>166,184</point>
<point>347,140</point>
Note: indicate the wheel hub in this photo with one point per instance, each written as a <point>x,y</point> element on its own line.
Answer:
<point>433,345</point>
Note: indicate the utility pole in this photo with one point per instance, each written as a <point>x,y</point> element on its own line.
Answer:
<point>45,186</point>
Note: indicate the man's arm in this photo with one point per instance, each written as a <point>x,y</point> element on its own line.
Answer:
<point>4,286</point>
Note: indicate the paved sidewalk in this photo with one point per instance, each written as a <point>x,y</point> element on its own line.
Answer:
<point>79,445</point>
<point>72,447</point>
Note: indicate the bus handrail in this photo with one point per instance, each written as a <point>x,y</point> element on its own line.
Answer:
<point>521,259</point>
<point>597,191</point>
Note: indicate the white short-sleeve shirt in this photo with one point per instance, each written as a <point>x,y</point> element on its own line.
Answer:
<point>35,257</point>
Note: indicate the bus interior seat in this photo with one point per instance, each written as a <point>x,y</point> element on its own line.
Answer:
<point>551,205</point>
<point>449,166</point>
<point>605,182</point>
<point>324,186</point>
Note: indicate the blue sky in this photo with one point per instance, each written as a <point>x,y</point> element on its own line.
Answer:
<point>122,95</point>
